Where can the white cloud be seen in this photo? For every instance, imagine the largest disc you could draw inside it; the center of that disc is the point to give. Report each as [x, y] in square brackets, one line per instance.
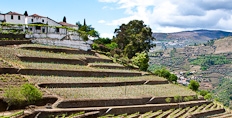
[101, 21]
[176, 15]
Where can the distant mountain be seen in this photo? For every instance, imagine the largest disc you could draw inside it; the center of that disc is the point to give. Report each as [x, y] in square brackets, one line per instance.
[192, 35]
[185, 38]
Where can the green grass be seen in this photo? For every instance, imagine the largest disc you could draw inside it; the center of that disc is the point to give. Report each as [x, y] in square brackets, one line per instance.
[60, 79]
[165, 90]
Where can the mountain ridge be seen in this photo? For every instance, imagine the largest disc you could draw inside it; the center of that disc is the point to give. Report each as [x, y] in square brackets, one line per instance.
[186, 38]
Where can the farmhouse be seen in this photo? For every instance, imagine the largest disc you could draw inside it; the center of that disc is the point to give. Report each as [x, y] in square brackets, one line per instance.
[38, 26]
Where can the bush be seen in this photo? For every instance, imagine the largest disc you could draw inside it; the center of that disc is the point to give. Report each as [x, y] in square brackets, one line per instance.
[203, 92]
[173, 77]
[186, 99]
[141, 60]
[208, 96]
[30, 92]
[193, 85]
[12, 96]
[17, 95]
[166, 74]
[177, 98]
[168, 100]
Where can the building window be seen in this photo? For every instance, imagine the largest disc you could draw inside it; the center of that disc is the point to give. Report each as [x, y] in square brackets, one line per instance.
[43, 30]
[19, 17]
[37, 27]
[31, 20]
[57, 30]
[12, 17]
[42, 20]
[30, 29]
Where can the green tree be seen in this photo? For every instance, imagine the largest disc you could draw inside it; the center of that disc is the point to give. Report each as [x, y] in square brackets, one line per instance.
[134, 37]
[25, 13]
[141, 60]
[64, 19]
[173, 77]
[87, 31]
[30, 92]
[193, 85]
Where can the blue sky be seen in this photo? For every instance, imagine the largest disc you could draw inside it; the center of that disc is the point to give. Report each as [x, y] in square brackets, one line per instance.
[106, 15]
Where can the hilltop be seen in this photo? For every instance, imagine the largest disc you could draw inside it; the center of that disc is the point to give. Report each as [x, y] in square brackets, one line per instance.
[185, 38]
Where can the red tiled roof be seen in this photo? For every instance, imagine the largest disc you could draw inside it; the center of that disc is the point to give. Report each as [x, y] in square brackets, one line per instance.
[36, 15]
[13, 13]
[67, 24]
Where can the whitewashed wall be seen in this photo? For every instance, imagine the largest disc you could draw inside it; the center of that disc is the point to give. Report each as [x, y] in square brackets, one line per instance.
[44, 35]
[15, 19]
[67, 43]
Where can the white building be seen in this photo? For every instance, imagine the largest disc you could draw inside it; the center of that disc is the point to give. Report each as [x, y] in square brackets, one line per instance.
[39, 26]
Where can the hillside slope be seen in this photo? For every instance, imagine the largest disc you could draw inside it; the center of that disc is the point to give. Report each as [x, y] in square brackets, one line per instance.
[91, 85]
[207, 64]
[185, 38]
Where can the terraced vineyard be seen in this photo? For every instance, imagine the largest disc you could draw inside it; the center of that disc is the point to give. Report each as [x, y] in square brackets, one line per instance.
[90, 85]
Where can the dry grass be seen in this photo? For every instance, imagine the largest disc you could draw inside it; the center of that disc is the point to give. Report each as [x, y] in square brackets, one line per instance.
[58, 79]
[105, 64]
[165, 90]
[223, 45]
[56, 66]
[46, 46]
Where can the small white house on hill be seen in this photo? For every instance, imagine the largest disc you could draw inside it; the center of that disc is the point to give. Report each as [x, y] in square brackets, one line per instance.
[45, 30]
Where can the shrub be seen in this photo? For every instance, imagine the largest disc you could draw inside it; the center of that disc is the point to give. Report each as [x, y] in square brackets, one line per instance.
[12, 96]
[30, 92]
[203, 92]
[173, 77]
[178, 98]
[193, 85]
[208, 96]
[17, 95]
[141, 60]
[168, 100]
[190, 98]
[186, 99]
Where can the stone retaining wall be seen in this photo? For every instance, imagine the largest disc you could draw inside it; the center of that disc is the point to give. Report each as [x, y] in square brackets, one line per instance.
[14, 42]
[98, 84]
[52, 60]
[8, 70]
[76, 73]
[12, 36]
[112, 102]
[67, 51]
[42, 102]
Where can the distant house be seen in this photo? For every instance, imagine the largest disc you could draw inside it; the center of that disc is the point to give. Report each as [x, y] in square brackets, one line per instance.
[39, 26]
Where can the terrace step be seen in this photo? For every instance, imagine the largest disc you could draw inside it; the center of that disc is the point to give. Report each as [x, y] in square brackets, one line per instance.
[165, 114]
[123, 109]
[206, 113]
[59, 50]
[99, 84]
[76, 73]
[118, 102]
[52, 60]
[107, 66]
[15, 42]
[225, 114]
